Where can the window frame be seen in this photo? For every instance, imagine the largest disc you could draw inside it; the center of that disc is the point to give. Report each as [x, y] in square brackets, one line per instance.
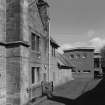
[37, 77]
[53, 51]
[32, 75]
[38, 74]
[35, 42]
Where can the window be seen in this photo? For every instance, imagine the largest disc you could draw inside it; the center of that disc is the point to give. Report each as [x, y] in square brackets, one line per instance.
[84, 55]
[45, 46]
[79, 71]
[72, 56]
[35, 74]
[35, 41]
[96, 63]
[53, 51]
[86, 71]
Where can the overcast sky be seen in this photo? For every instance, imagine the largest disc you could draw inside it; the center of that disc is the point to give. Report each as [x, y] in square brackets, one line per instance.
[78, 22]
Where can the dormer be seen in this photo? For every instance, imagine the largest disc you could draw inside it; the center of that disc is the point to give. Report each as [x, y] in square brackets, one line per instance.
[43, 12]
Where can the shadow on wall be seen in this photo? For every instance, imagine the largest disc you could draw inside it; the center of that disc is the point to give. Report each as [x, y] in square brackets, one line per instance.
[95, 96]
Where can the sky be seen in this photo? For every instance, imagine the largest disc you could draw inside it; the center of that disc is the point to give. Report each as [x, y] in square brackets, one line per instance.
[76, 23]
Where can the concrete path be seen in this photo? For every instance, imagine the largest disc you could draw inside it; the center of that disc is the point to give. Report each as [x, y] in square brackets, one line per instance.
[71, 93]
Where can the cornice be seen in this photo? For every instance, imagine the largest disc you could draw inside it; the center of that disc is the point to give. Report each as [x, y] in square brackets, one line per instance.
[15, 43]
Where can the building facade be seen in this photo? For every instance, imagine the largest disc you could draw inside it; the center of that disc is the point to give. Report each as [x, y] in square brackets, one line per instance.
[82, 61]
[53, 74]
[23, 32]
[60, 70]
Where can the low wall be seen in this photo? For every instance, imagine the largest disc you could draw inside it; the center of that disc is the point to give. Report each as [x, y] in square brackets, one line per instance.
[83, 75]
[65, 75]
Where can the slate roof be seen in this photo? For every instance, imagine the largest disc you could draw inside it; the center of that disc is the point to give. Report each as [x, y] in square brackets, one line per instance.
[53, 42]
[80, 49]
[62, 59]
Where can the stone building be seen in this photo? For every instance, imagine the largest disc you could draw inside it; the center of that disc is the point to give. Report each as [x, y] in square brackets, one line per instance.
[23, 32]
[82, 60]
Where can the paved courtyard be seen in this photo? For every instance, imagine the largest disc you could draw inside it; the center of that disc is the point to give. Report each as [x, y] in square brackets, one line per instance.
[71, 93]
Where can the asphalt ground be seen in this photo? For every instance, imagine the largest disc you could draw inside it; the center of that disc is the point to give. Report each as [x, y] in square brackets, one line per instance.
[79, 92]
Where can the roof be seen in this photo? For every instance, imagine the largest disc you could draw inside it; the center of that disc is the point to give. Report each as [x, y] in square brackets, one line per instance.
[80, 49]
[62, 59]
[54, 43]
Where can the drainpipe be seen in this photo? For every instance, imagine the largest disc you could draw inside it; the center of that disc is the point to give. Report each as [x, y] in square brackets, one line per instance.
[49, 55]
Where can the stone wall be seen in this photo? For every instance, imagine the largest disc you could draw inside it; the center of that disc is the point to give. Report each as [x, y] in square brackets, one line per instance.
[13, 75]
[2, 52]
[24, 75]
[12, 20]
[82, 63]
[2, 75]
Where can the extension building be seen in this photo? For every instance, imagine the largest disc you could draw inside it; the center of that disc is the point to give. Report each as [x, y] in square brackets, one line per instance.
[82, 60]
